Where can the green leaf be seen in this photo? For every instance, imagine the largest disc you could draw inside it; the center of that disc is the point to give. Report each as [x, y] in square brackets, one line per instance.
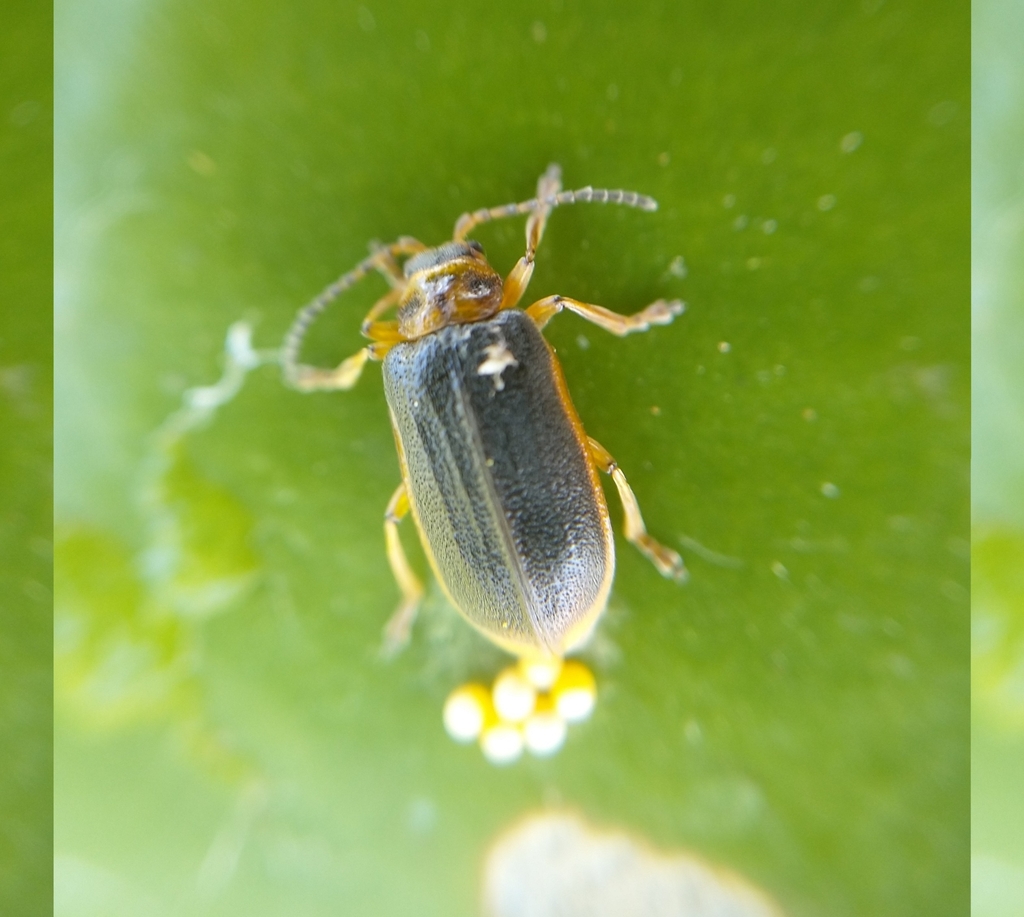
[26, 458]
[797, 713]
[997, 469]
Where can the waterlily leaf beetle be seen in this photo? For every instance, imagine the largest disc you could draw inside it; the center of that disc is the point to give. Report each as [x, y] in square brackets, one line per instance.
[498, 473]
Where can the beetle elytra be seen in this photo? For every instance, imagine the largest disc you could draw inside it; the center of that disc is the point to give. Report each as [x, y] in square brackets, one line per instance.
[497, 470]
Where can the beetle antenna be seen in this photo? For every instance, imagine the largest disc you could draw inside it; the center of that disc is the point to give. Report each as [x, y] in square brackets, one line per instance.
[469, 221]
[381, 259]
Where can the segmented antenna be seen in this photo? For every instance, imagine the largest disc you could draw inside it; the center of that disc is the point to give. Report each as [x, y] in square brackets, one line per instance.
[377, 261]
[469, 221]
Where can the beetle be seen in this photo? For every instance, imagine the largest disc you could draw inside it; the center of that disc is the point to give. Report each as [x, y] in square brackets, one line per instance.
[497, 470]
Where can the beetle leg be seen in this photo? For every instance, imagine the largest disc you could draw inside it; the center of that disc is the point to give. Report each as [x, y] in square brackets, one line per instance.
[668, 562]
[386, 265]
[659, 312]
[548, 186]
[343, 377]
[516, 283]
[381, 306]
[396, 632]
[381, 259]
[346, 374]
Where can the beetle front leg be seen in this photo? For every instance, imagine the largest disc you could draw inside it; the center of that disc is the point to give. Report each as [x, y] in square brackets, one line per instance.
[396, 632]
[387, 266]
[340, 379]
[387, 301]
[346, 374]
[659, 312]
[548, 186]
[668, 562]
[309, 378]
[516, 283]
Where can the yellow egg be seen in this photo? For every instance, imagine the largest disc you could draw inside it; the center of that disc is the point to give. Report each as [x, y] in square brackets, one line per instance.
[502, 743]
[545, 729]
[466, 711]
[575, 692]
[541, 672]
[513, 696]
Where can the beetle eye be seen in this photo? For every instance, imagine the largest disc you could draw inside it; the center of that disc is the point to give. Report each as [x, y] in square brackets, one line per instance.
[476, 246]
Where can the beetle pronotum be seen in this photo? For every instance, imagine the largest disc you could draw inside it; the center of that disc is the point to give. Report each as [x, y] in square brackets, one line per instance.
[497, 469]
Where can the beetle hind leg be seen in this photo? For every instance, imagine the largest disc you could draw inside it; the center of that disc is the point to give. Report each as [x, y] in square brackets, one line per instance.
[399, 626]
[668, 562]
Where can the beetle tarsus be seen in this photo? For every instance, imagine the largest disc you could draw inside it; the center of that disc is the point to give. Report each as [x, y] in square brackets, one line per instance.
[399, 629]
[341, 378]
[660, 312]
[668, 562]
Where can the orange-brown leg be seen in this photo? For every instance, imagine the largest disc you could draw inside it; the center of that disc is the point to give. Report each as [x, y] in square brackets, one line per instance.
[516, 283]
[659, 312]
[386, 264]
[346, 374]
[668, 562]
[396, 632]
[308, 378]
[388, 301]
[548, 186]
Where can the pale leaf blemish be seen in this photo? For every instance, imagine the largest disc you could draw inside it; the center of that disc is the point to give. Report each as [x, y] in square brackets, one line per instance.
[851, 141]
[555, 863]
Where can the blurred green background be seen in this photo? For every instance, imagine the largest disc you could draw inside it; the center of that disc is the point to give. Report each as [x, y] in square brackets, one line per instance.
[26, 455]
[227, 739]
[997, 473]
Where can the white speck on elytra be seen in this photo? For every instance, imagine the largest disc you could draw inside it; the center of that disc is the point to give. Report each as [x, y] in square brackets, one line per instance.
[499, 358]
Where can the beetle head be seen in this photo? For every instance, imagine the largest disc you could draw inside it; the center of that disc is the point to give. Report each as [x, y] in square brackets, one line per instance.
[449, 285]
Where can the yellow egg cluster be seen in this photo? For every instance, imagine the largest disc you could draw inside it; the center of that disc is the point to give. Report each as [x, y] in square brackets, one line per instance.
[529, 707]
